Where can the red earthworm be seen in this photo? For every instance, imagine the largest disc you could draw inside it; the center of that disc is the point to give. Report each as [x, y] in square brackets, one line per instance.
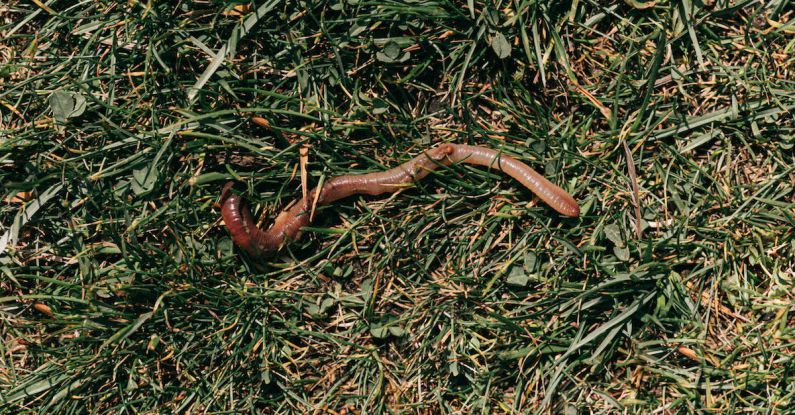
[288, 224]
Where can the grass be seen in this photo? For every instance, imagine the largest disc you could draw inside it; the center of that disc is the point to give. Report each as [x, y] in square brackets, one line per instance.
[670, 122]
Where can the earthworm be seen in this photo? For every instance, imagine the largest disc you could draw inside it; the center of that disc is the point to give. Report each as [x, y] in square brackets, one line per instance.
[288, 223]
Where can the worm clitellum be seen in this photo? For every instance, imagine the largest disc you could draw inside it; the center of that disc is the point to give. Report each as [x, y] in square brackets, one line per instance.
[288, 224]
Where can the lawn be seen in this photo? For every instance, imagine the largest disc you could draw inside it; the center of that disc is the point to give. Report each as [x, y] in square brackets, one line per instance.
[671, 123]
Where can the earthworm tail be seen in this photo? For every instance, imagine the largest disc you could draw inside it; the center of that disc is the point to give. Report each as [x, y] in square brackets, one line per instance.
[288, 224]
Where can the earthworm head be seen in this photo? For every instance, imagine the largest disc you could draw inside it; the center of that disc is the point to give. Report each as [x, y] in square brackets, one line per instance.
[226, 191]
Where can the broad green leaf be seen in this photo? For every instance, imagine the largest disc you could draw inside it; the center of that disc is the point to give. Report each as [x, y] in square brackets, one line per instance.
[622, 252]
[62, 104]
[65, 105]
[380, 106]
[379, 331]
[143, 181]
[326, 304]
[613, 233]
[357, 28]
[517, 277]
[454, 369]
[397, 331]
[366, 288]
[501, 46]
[641, 5]
[390, 52]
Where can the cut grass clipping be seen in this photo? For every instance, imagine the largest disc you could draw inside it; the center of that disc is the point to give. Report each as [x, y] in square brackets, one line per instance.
[670, 122]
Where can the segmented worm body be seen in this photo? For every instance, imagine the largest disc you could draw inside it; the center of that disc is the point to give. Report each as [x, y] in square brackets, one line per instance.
[288, 224]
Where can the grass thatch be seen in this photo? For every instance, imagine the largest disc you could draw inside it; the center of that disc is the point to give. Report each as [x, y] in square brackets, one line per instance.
[671, 123]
